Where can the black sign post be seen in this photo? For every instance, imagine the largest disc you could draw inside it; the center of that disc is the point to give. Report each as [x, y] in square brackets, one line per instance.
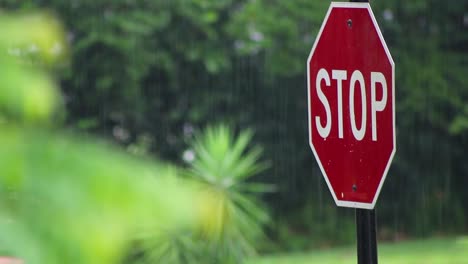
[366, 236]
[366, 228]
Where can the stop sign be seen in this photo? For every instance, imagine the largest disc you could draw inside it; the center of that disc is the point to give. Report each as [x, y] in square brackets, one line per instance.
[351, 94]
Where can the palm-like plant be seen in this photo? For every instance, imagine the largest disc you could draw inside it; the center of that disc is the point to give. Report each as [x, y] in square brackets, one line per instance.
[233, 216]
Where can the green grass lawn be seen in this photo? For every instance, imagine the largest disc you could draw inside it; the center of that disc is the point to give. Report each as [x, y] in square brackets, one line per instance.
[431, 251]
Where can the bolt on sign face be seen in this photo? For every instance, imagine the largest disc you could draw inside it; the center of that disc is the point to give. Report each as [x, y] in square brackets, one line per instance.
[351, 94]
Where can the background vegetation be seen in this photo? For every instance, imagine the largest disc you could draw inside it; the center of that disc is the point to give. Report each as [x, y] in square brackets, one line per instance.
[434, 251]
[148, 74]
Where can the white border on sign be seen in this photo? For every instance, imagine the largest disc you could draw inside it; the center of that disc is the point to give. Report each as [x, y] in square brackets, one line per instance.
[389, 57]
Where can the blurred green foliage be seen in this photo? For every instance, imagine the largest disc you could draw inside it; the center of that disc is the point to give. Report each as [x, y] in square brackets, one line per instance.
[29, 94]
[65, 198]
[149, 73]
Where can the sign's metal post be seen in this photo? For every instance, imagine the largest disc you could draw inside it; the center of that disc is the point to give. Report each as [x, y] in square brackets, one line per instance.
[366, 228]
[366, 236]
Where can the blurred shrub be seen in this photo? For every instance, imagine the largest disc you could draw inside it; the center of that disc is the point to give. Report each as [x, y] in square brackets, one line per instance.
[65, 198]
[69, 200]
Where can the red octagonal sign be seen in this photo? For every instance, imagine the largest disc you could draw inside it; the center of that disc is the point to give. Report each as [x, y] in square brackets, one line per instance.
[351, 93]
